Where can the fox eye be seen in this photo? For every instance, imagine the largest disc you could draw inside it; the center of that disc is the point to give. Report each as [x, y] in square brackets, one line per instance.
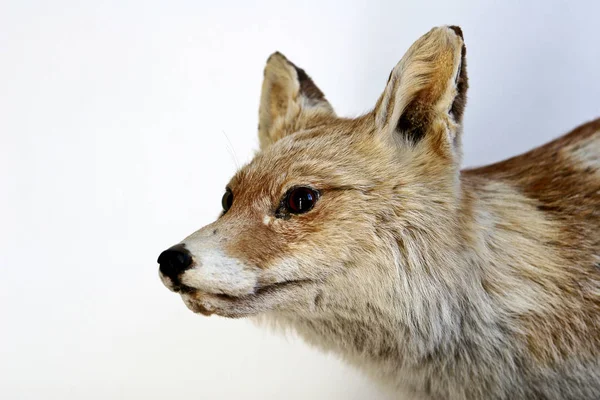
[301, 199]
[227, 200]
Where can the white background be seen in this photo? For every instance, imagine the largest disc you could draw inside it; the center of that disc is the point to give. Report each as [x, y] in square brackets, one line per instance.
[113, 124]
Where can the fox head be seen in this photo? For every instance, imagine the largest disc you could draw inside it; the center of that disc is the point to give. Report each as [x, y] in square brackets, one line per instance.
[330, 208]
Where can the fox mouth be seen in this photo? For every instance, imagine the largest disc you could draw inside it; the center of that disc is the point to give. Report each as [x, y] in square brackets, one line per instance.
[264, 298]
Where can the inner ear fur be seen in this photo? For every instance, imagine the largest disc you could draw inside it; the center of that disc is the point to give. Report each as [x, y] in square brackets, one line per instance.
[425, 96]
[290, 101]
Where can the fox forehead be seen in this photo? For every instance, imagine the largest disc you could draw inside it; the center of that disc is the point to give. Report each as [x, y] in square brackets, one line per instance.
[330, 156]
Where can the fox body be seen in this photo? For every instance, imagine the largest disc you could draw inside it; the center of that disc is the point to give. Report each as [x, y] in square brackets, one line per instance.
[365, 237]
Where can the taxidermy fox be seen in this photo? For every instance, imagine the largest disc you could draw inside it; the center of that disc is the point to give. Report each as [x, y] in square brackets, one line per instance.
[365, 237]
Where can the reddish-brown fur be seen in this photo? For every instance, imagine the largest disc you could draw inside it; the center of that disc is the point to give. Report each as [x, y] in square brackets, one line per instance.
[568, 194]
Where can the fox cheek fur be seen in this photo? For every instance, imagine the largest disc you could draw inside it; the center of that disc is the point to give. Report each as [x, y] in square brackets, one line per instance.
[437, 282]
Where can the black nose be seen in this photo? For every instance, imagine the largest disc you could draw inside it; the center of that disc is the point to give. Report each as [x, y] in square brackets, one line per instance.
[174, 261]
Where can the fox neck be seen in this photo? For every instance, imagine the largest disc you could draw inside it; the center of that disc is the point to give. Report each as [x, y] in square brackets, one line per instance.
[446, 295]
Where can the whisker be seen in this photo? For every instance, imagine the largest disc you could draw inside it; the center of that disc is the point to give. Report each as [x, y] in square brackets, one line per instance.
[231, 150]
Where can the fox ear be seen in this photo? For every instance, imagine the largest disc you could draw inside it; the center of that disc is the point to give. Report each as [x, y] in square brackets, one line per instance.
[425, 96]
[289, 101]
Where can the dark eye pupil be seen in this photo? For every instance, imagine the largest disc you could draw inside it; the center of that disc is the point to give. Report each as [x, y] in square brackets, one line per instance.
[301, 200]
[227, 200]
